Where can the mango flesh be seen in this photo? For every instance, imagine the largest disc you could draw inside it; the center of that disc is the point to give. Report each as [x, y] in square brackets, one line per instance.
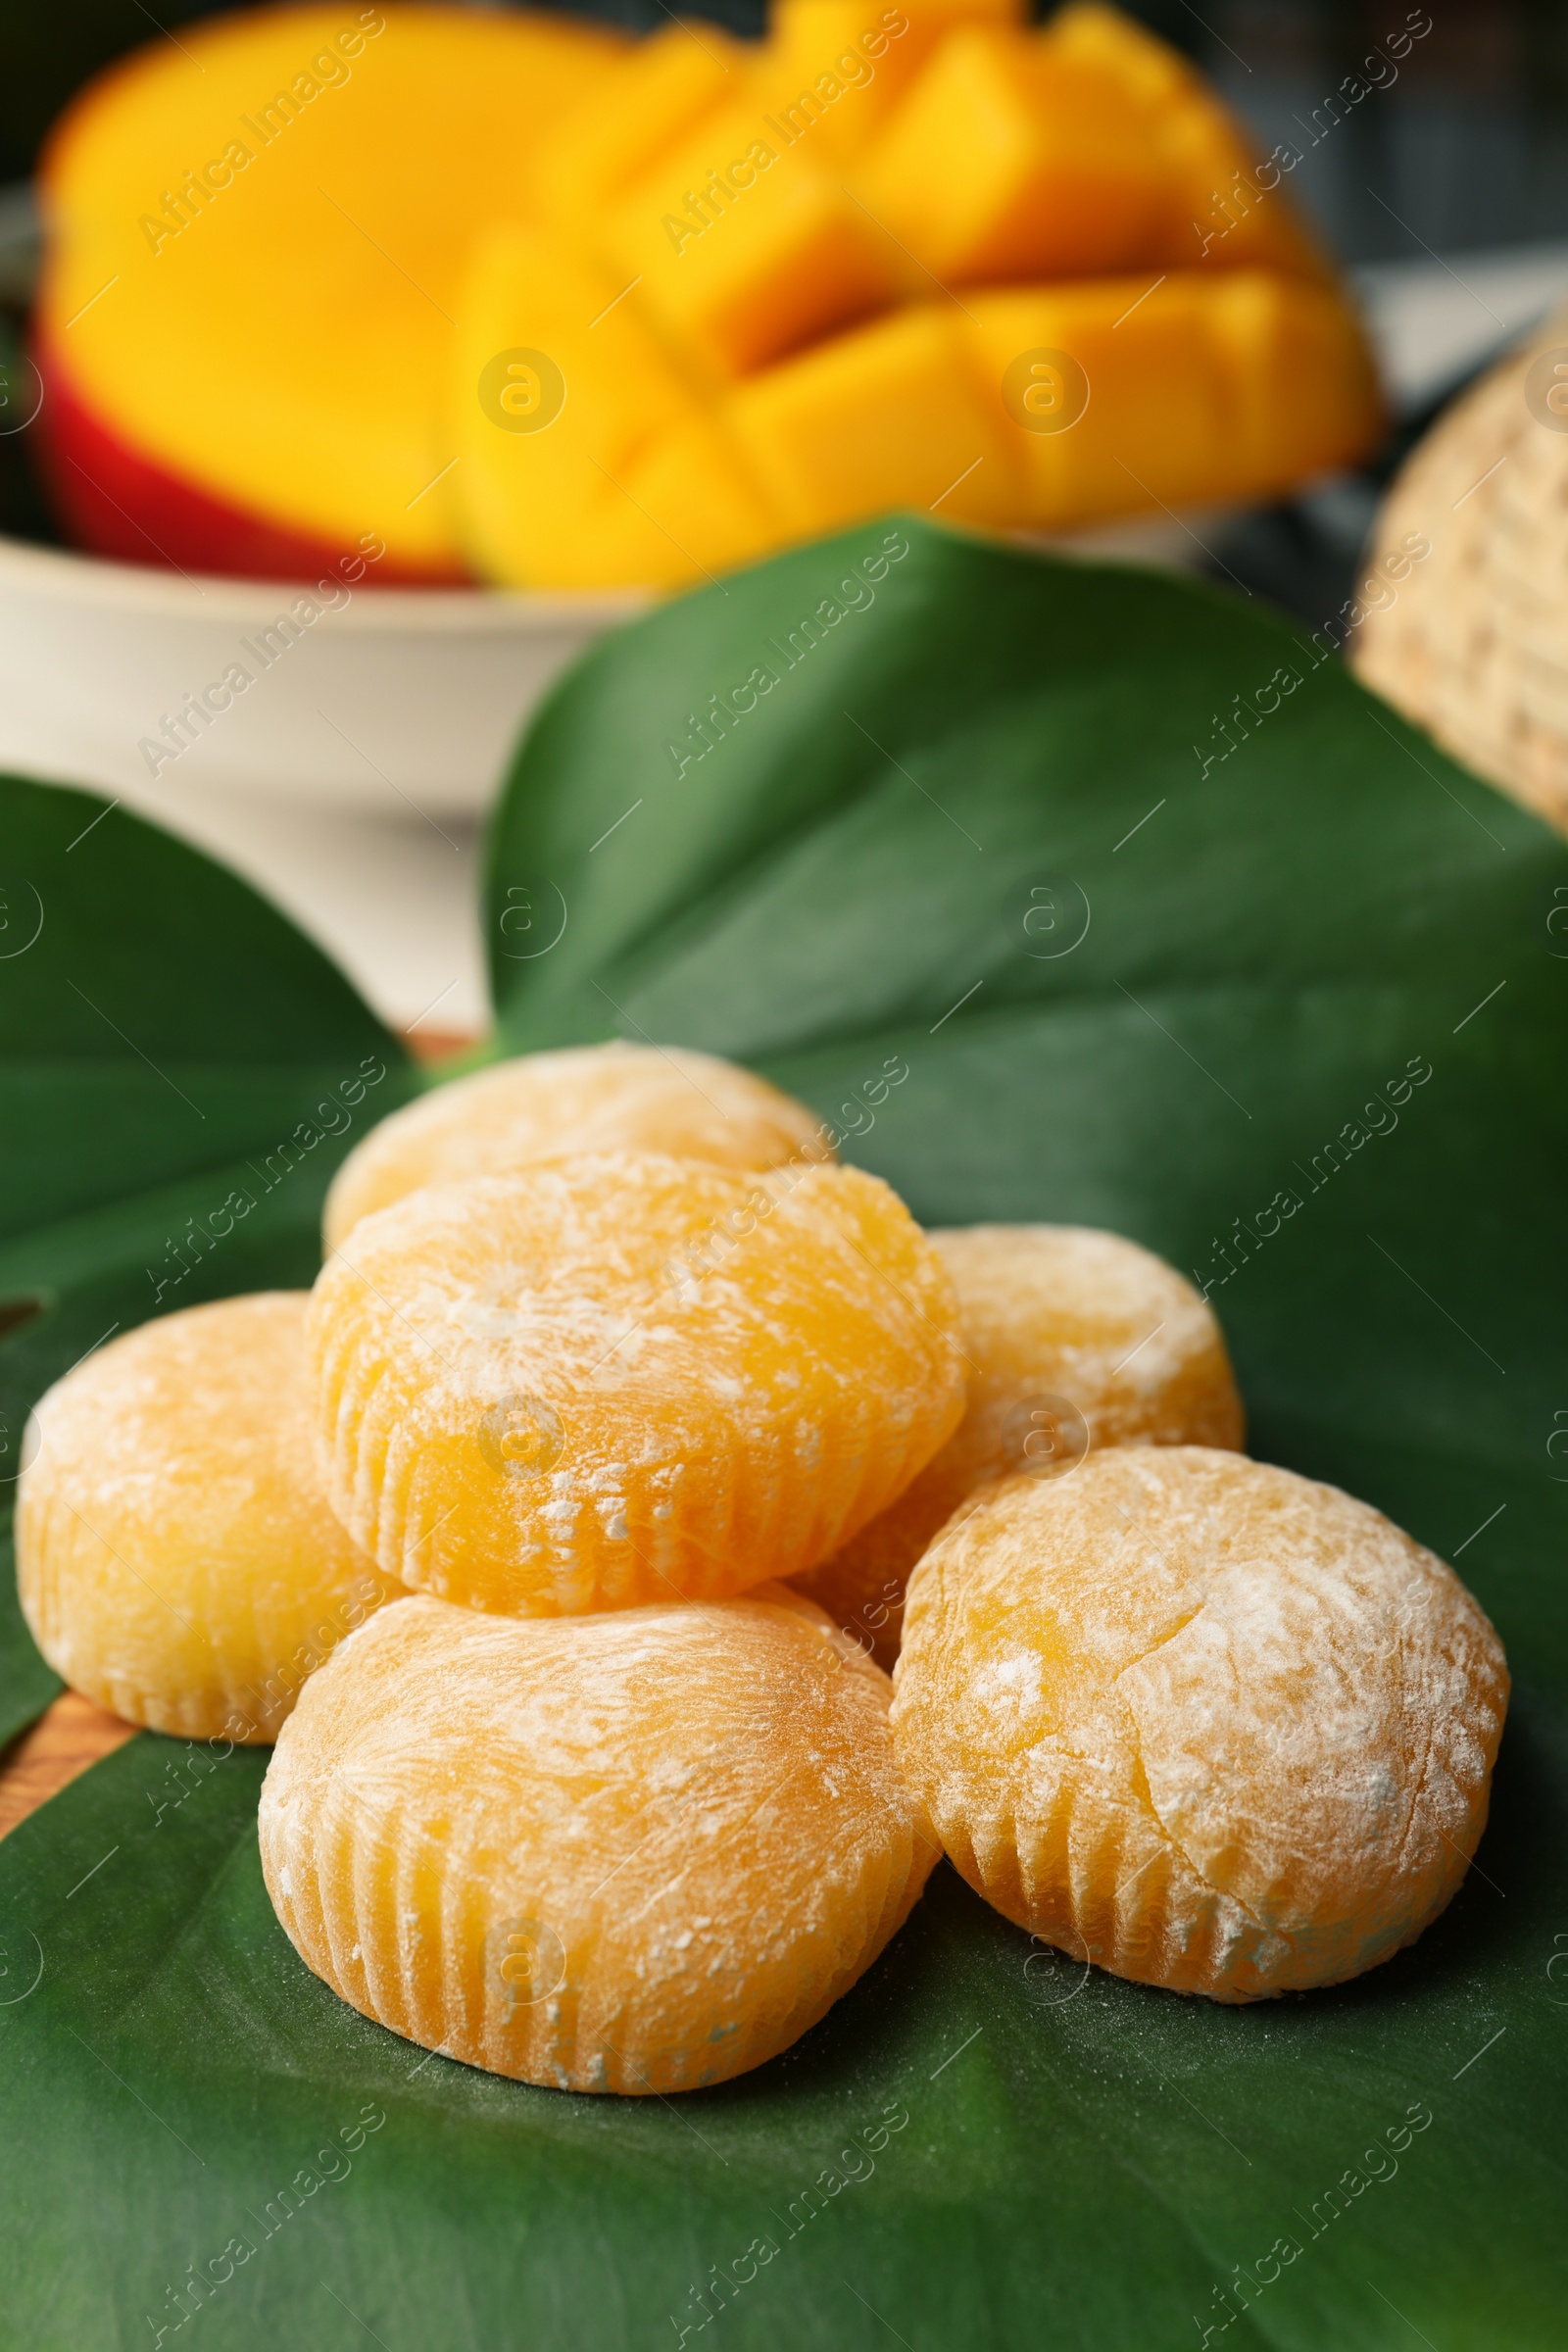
[251, 287]
[1203, 386]
[636, 1853]
[1197, 1721]
[177, 1556]
[1072, 1339]
[743, 247]
[1219, 208]
[958, 270]
[616, 1097]
[891, 414]
[1009, 160]
[621, 1378]
[840, 66]
[649, 312]
[642, 105]
[588, 501]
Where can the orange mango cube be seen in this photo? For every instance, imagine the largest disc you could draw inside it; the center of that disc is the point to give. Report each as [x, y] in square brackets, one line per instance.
[744, 247]
[839, 67]
[890, 415]
[1120, 394]
[567, 503]
[1011, 159]
[1135, 417]
[1221, 205]
[1301, 392]
[627, 120]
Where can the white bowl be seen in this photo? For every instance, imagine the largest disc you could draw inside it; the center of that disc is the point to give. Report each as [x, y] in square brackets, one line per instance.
[396, 694]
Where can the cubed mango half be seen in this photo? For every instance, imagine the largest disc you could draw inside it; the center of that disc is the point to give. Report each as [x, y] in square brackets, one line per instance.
[1009, 158]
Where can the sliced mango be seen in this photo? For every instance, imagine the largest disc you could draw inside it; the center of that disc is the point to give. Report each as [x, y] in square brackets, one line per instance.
[1302, 394]
[627, 482]
[1224, 205]
[745, 247]
[1048, 407]
[251, 286]
[1199, 390]
[629, 117]
[837, 67]
[694, 484]
[1228, 209]
[890, 415]
[1154, 76]
[1014, 159]
[1141, 424]
[749, 346]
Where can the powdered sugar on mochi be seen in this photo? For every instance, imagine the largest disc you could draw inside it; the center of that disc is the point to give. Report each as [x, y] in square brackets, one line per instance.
[178, 1558]
[593, 1099]
[1112, 1322]
[1230, 1725]
[688, 1818]
[727, 1370]
[1051, 1316]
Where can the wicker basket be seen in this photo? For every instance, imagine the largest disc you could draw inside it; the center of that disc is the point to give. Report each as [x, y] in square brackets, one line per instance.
[1474, 644]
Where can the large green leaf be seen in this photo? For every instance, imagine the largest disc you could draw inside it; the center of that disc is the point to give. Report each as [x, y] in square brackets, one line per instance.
[171, 1048]
[839, 886]
[1079, 2162]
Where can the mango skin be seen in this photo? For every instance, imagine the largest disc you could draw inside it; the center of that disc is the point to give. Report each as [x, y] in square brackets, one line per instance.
[234, 335]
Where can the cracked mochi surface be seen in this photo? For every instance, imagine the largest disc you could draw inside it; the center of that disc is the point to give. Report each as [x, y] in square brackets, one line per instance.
[1203, 1722]
[635, 1852]
[1050, 1317]
[614, 1098]
[622, 1379]
[177, 1556]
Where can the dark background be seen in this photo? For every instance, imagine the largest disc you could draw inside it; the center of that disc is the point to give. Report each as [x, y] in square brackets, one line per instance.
[1469, 148]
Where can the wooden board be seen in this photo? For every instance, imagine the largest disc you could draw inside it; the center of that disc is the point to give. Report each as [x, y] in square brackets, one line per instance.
[67, 1736]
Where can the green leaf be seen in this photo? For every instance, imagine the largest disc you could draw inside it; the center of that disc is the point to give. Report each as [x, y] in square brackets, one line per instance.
[170, 1047]
[26, 1684]
[1078, 2161]
[846, 876]
[842, 883]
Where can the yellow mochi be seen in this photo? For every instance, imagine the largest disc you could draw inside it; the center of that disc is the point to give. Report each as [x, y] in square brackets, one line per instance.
[176, 1557]
[1071, 1338]
[624, 1377]
[639, 1853]
[611, 1098]
[1202, 1722]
